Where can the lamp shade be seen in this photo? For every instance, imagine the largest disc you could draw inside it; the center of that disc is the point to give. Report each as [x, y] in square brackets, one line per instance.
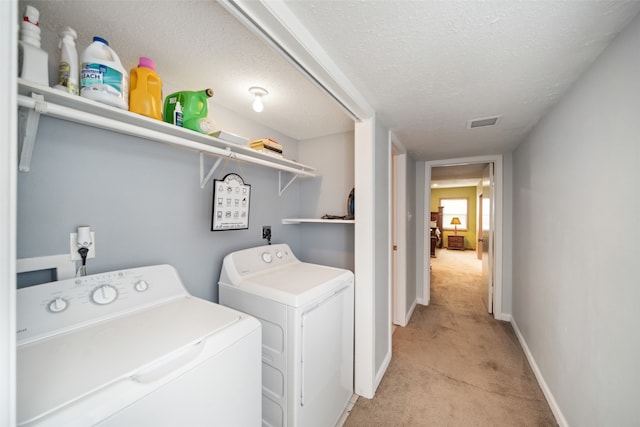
[455, 221]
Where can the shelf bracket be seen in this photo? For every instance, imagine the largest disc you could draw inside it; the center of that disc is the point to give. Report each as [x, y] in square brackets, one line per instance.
[31, 131]
[205, 179]
[281, 189]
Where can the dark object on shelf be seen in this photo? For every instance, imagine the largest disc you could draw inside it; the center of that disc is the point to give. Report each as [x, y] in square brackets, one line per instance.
[327, 216]
[351, 200]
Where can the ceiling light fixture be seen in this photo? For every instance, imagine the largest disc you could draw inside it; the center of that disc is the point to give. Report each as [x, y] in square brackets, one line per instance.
[258, 92]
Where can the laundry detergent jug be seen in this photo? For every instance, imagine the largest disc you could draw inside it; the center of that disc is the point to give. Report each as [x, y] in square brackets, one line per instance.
[194, 109]
[145, 91]
[102, 76]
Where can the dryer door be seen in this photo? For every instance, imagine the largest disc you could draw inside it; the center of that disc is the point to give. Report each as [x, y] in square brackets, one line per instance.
[326, 366]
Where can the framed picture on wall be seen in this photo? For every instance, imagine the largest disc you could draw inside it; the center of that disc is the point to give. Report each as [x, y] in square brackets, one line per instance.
[230, 203]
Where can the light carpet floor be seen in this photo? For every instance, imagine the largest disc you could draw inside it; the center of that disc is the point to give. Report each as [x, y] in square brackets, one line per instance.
[454, 364]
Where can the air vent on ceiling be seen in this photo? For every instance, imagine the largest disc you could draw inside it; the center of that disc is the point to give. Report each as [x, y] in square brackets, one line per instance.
[486, 121]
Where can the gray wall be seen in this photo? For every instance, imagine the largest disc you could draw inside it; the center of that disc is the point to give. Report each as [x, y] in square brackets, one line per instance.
[143, 200]
[420, 229]
[382, 245]
[411, 235]
[507, 233]
[575, 246]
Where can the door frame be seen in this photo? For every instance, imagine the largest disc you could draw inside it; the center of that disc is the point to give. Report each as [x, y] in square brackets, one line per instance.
[8, 208]
[488, 264]
[400, 315]
[479, 240]
[497, 160]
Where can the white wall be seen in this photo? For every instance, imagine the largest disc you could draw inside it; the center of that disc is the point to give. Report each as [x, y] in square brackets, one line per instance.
[575, 246]
[328, 244]
[332, 156]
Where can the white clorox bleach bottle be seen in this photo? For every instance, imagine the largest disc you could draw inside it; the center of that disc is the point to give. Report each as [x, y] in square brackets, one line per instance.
[102, 76]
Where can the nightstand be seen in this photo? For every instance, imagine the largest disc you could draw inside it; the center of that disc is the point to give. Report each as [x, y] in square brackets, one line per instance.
[455, 242]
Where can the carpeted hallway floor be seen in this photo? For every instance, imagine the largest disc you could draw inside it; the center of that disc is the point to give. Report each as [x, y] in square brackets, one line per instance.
[454, 364]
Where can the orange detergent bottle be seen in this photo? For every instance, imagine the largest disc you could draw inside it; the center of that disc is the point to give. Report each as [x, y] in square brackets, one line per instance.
[145, 92]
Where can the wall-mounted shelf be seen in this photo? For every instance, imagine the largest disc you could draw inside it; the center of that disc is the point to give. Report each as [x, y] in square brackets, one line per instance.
[38, 99]
[317, 220]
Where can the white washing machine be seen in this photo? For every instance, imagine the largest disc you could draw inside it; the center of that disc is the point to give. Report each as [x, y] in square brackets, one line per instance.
[306, 312]
[133, 348]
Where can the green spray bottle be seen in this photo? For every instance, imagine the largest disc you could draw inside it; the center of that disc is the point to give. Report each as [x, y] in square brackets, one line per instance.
[194, 109]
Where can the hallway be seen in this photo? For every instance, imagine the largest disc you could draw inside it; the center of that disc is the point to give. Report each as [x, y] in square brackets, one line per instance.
[454, 364]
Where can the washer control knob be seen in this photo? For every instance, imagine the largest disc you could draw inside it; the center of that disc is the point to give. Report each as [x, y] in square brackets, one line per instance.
[141, 286]
[266, 257]
[105, 294]
[279, 254]
[57, 305]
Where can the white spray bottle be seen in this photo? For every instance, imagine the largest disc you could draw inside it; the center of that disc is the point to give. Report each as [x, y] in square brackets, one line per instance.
[68, 70]
[177, 115]
[33, 62]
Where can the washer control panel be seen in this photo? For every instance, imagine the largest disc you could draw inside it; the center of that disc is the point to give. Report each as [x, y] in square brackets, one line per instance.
[254, 260]
[52, 307]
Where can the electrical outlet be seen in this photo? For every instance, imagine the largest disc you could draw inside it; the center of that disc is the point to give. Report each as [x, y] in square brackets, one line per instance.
[266, 232]
[73, 247]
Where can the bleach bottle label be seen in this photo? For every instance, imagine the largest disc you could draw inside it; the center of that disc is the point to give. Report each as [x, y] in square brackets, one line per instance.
[100, 74]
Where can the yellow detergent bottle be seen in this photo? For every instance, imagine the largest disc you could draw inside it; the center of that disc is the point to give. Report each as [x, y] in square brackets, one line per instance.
[194, 109]
[145, 90]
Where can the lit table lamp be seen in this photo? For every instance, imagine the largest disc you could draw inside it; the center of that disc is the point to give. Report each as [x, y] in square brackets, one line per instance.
[455, 221]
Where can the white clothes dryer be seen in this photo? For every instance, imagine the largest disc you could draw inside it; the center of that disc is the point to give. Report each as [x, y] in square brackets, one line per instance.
[133, 348]
[306, 311]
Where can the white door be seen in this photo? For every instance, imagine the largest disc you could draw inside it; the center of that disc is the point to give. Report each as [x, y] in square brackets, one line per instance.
[399, 304]
[394, 241]
[488, 227]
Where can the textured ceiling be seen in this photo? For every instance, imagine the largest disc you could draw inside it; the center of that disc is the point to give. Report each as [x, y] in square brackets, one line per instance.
[427, 67]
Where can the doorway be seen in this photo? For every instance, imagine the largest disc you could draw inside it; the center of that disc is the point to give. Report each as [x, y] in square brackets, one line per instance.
[494, 293]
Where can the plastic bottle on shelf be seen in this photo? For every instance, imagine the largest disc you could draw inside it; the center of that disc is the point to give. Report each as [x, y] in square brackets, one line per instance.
[68, 68]
[145, 93]
[194, 109]
[33, 61]
[177, 114]
[102, 77]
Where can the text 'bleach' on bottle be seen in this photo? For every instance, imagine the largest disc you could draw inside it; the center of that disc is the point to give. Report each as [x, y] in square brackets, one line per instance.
[145, 90]
[33, 62]
[102, 77]
[68, 68]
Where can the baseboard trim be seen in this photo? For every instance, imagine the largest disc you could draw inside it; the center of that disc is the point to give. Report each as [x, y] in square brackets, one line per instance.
[410, 313]
[381, 372]
[560, 419]
[421, 301]
[506, 317]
